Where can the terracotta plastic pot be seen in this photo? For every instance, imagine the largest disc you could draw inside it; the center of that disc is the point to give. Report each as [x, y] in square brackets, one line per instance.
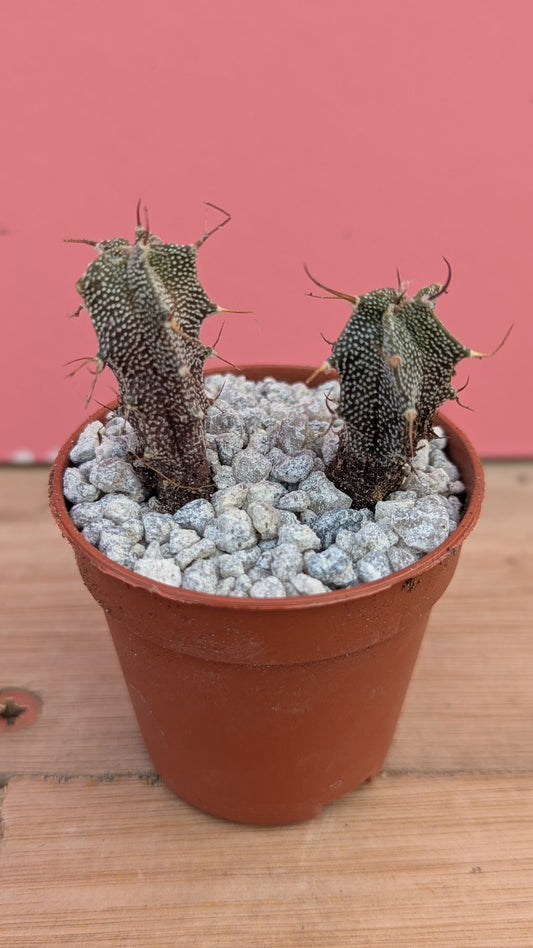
[262, 711]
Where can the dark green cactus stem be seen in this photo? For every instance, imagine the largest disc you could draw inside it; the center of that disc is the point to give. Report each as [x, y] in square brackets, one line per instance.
[395, 362]
[147, 306]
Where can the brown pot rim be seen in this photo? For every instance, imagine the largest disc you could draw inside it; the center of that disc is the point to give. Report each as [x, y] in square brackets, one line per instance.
[473, 479]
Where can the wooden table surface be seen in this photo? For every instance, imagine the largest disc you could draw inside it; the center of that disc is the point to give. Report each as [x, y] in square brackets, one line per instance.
[437, 851]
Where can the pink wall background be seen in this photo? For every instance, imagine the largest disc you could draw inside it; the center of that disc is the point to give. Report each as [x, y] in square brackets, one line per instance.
[358, 137]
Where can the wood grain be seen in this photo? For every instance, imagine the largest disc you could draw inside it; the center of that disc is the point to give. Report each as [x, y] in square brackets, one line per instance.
[426, 861]
[438, 852]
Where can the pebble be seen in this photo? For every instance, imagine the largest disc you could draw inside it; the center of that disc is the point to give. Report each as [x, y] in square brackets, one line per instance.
[226, 587]
[224, 477]
[401, 556]
[346, 540]
[239, 563]
[156, 525]
[127, 533]
[306, 585]
[421, 530]
[115, 475]
[373, 537]
[84, 450]
[292, 432]
[402, 496]
[308, 517]
[231, 531]
[440, 460]
[154, 551]
[428, 482]
[119, 507]
[180, 538]
[221, 421]
[114, 447]
[421, 458]
[266, 492]
[327, 524]
[195, 515]
[374, 565]
[268, 588]
[132, 528]
[91, 531]
[85, 447]
[455, 508]
[77, 488]
[330, 444]
[386, 510]
[294, 500]
[332, 567]
[196, 551]
[243, 584]
[163, 571]
[266, 520]
[287, 517]
[439, 439]
[228, 445]
[262, 440]
[250, 466]
[201, 576]
[286, 561]
[82, 513]
[118, 550]
[267, 544]
[323, 495]
[293, 468]
[86, 467]
[300, 535]
[228, 497]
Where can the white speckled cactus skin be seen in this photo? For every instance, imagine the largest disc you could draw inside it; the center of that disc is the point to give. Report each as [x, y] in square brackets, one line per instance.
[395, 362]
[147, 306]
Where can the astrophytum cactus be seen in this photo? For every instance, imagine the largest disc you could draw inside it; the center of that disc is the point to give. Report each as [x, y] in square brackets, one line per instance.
[395, 361]
[147, 306]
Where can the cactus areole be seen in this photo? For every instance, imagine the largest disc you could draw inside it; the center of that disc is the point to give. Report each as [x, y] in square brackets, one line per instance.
[394, 358]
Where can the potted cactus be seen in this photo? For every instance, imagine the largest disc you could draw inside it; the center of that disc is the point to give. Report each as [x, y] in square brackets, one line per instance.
[267, 628]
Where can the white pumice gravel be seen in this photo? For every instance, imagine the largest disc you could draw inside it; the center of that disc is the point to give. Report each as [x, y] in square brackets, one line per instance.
[274, 526]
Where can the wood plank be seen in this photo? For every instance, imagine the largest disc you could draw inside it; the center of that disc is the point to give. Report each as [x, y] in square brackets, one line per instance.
[402, 862]
[55, 641]
[470, 703]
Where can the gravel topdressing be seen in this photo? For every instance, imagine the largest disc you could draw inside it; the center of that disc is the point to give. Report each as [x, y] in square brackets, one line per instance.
[275, 525]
